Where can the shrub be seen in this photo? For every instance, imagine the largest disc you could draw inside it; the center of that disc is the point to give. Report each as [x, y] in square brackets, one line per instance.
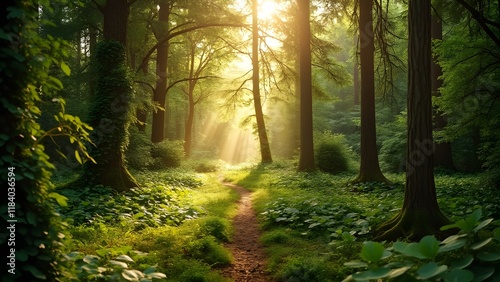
[206, 165]
[217, 227]
[138, 154]
[393, 153]
[209, 251]
[332, 154]
[167, 154]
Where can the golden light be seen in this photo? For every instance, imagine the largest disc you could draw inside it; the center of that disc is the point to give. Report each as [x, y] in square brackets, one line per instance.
[267, 9]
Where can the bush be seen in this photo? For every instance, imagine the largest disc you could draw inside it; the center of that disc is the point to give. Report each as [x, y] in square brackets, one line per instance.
[332, 154]
[208, 251]
[167, 154]
[206, 165]
[393, 153]
[138, 154]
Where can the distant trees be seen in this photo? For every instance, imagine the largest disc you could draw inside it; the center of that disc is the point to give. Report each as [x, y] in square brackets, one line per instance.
[265, 148]
[369, 165]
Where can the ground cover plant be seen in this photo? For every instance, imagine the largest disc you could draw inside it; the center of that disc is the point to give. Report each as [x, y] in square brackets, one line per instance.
[152, 233]
[315, 223]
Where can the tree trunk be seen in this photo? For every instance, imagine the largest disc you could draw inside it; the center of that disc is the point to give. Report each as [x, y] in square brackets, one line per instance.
[160, 92]
[420, 214]
[265, 149]
[306, 157]
[369, 167]
[109, 114]
[442, 151]
[356, 74]
[188, 131]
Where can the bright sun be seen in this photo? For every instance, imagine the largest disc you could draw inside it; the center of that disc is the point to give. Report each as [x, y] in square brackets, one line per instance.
[267, 9]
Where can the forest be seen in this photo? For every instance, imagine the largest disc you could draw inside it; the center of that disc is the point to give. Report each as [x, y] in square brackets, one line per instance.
[250, 140]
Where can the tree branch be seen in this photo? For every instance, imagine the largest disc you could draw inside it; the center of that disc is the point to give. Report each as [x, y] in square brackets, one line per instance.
[482, 21]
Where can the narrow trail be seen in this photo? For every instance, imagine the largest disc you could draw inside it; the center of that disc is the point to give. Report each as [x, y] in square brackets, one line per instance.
[248, 252]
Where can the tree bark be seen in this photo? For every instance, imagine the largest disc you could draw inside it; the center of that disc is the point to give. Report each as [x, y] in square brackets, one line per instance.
[420, 214]
[442, 151]
[109, 114]
[265, 149]
[369, 165]
[306, 157]
[160, 92]
[356, 74]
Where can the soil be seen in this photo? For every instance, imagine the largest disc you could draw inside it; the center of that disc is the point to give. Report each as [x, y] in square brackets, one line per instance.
[249, 256]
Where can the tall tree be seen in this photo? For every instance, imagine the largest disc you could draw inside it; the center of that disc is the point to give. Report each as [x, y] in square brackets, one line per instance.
[160, 90]
[265, 149]
[369, 166]
[110, 111]
[306, 157]
[420, 214]
[442, 150]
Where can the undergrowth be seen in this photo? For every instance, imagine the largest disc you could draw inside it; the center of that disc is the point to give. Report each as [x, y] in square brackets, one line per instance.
[315, 222]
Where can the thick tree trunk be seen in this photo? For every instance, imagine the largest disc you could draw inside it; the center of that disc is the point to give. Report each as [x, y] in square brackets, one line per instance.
[420, 214]
[369, 167]
[265, 149]
[442, 151]
[109, 115]
[306, 157]
[160, 92]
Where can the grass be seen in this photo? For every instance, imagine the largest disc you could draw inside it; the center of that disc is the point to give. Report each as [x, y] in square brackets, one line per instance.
[304, 215]
[189, 251]
[312, 222]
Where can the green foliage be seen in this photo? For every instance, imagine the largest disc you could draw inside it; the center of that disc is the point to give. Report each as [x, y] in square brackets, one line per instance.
[332, 154]
[305, 269]
[315, 216]
[138, 153]
[393, 150]
[167, 154]
[109, 115]
[106, 268]
[27, 58]
[205, 165]
[467, 256]
[148, 206]
[216, 227]
[207, 249]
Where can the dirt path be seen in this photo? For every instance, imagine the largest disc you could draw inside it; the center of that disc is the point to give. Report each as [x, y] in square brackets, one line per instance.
[248, 252]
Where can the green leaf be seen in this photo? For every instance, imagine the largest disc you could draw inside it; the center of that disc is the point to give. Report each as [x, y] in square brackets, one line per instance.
[35, 272]
[77, 156]
[453, 245]
[463, 263]
[157, 275]
[372, 251]
[398, 271]
[481, 244]
[119, 264]
[90, 259]
[124, 258]
[458, 275]
[65, 68]
[132, 275]
[496, 233]
[482, 273]
[489, 256]
[31, 217]
[371, 274]
[149, 270]
[413, 250]
[430, 270]
[60, 199]
[356, 264]
[483, 224]
[429, 246]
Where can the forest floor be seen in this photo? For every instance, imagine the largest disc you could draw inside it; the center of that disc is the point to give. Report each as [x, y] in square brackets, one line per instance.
[248, 252]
